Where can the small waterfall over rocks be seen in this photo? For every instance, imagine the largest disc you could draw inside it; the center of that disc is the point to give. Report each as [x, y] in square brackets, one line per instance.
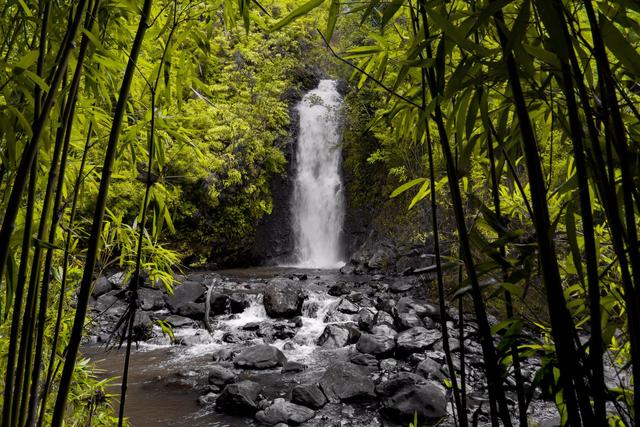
[318, 199]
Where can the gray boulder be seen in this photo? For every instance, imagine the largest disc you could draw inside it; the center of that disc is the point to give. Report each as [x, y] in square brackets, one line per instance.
[365, 319]
[408, 320]
[151, 299]
[101, 286]
[220, 376]
[406, 394]
[415, 340]
[347, 307]
[179, 321]
[409, 305]
[308, 395]
[282, 411]
[334, 336]
[193, 310]
[259, 357]
[430, 369]
[382, 317]
[188, 292]
[226, 304]
[343, 382]
[282, 300]
[239, 398]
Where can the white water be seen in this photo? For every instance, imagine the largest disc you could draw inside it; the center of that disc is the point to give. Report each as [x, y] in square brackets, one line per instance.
[318, 200]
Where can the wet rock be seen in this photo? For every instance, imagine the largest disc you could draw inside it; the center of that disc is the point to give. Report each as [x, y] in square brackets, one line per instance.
[383, 258]
[430, 369]
[101, 286]
[408, 320]
[382, 318]
[227, 304]
[220, 376]
[386, 304]
[346, 382]
[334, 336]
[308, 395]
[151, 299]
[409, 305]
[348, 269]
[193, 310]
[406, 394]
[282, 411]
[239, 398]
[188, 292]
[339, 289]
[110, 302]
[364, 360]
[432, 311]
[207, 399]
[377, 345]
[291, 366]
[223, 355]
[281, 300]
[259, 357]
[415, 340]
[142, 327]
[251, 326]
[276, 331]
[402, 285]
[300, 276]
[366, 319]
[347, 307]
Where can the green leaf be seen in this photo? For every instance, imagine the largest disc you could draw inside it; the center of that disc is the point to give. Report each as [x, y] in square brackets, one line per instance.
[296, 13]
[407, 185]
[619, 46]
[334, 11]
[390, 10]
[25, 62]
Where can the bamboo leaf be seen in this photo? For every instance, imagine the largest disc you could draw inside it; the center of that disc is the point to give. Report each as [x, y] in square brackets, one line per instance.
[334, 11]
[296, 13]
[619, 46]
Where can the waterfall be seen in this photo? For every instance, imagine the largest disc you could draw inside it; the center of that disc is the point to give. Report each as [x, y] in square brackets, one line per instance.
[318, 200]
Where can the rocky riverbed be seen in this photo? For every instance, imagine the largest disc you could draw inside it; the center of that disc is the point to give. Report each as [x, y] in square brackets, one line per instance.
[293, 347]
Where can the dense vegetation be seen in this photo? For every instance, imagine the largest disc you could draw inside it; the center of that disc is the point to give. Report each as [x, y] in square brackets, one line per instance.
[132, 132]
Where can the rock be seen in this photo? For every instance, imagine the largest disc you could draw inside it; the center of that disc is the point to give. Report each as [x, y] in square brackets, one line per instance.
[406, 394]
[347, 307]
[409, 305]
[151, 299]
[365, 319]
[377, 345]
[226, 304]
[223, 355]
[348, 269]
[101, 286]
[193, 310]
[207, 399]
[142, 327]
[188, 292]
[281, 300]
[364, 360]
[339, 289]
[334, 336]
[415, 340]
[402, 285]
[382, 317]
[383, 258]
[290, 366]
[179, 321]
[408, 320]
[430, 369]
[239, 398]
[346, 382]
[117, 279]
[386, 303]
[259, 357]
[308, 395]
[300, 276]
[282, 411]
[433, 311]
[220, 376]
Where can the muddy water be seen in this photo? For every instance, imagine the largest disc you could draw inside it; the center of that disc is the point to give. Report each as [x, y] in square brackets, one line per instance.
[166, 380]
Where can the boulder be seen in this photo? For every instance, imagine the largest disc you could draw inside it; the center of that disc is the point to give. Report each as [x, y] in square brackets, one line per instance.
[383, 258]
[334, 336]
[239, 398]
[415, 340]
[193, 310]
[282, 301]
[430, 369]
[382, 317]
[377, 345]
[367, 360]
[179, 321]
[188, 292]
[142, 327]
[151, 299]
[101, 286]
[220, 376]
[259, 357]
[343, 382]
[402, 285]
[409, 305]
[339, 289]
[308, 395]
[281, 411]
[366, 319]
[346, 306]
[408, 320]
[407, 394]
[291, 366]
[226, 304]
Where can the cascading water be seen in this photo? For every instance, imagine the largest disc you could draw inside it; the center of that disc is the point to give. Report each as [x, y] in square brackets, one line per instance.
[318, 200]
